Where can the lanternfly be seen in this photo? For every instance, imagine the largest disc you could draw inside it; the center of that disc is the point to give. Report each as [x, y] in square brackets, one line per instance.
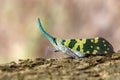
[77, 48]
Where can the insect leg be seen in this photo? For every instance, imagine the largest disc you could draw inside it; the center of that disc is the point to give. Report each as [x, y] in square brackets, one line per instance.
[60, 55]
[46, 51]
[49, 48]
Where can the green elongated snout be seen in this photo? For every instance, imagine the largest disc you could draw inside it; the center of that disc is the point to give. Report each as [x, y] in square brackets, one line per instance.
[48, 36]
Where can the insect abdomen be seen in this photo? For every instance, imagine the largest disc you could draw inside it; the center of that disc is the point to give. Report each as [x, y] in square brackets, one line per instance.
[89, 46]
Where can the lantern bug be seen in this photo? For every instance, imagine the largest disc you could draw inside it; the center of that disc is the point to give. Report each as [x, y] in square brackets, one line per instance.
[77, 48]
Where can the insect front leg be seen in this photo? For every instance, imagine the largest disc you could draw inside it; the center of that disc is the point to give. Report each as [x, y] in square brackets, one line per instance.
[46, 51]
[49, 48]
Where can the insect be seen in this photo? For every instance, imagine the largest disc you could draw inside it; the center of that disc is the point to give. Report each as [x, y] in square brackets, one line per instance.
[77, 48]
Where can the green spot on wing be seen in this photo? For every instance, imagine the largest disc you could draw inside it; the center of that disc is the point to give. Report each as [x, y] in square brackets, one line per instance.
[78, 48]
[62, 42]
[72, 43]
[103, 48]
[87, 46]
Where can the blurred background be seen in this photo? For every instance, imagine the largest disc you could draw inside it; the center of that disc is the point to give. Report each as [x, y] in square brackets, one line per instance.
[20, 37]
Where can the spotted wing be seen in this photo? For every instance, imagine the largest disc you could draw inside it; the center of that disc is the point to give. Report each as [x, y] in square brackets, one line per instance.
[89, 46]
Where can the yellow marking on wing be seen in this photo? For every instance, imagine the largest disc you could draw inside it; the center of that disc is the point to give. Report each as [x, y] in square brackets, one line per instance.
[105, 45]
[103, 41]
[94, 52]
[83, 41]
[98, 48]
[75, 47]
[79, 43]
[81, 50]
[105, 51]
[92, 40]
[67, 41]
[96, 40]
[91, 46]
[88, 52]
[58, 40]
[108, 48]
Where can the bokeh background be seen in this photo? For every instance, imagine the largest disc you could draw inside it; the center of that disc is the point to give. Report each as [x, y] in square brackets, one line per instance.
[20, 37]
